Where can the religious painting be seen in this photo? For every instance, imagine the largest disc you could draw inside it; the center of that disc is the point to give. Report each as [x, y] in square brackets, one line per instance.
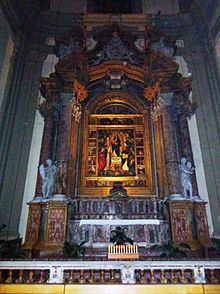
[116, 154]
[116, 148]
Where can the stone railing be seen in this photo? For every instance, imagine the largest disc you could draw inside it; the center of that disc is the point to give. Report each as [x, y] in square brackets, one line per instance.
[110, 272]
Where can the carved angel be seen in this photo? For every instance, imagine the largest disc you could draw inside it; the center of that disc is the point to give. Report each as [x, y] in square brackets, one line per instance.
[186, 170]
[48, 174]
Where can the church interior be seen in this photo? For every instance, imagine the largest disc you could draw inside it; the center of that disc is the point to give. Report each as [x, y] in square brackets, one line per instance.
[110, 135]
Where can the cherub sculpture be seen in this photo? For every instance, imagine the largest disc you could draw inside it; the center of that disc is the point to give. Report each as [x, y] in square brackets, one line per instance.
[48, 175]
[186, 170]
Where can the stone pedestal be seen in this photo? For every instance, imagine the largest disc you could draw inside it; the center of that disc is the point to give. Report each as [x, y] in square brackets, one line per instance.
[33, 225]
[189, 223]
[183, 229]
[202, 228]
[46, 228]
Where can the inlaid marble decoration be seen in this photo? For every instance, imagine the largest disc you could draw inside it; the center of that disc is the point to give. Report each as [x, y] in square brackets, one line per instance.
[56, 224]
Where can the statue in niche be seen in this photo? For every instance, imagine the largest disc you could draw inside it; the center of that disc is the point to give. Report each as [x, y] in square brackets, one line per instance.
[48, 175]
[186, 170]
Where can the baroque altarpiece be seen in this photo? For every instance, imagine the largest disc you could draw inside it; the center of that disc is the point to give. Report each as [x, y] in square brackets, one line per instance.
[115, 113]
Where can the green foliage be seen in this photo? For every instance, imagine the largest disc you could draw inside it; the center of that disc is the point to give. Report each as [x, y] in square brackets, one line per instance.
[119, 237]
[171, 250]
[11, 249]
[74, 250]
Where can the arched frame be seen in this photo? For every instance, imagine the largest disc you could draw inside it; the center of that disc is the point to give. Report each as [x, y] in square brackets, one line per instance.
[116, 146]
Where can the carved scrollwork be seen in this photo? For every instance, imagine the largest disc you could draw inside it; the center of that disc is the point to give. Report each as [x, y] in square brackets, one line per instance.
[151, 92]
[80, 90]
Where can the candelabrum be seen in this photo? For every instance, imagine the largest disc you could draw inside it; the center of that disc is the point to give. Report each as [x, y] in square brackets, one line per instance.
[123, 252]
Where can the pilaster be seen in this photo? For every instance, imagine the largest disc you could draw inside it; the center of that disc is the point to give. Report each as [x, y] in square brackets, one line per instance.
[16, 130]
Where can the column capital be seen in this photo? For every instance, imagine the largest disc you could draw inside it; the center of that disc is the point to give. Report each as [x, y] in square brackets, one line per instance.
[66, 98]
[163, 100]
[166, 98]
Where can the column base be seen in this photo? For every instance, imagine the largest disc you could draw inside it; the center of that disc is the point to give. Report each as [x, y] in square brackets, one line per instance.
[58, 197]
[176, 197]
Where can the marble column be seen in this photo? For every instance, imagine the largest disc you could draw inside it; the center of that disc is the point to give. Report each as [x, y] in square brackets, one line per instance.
[46, 110]
[63, 142]
[170, 147]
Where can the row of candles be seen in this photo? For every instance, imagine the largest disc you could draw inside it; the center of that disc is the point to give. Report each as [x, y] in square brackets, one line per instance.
[125, 249]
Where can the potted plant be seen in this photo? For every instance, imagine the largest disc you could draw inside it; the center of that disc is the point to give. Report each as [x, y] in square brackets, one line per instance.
[118, 236]
[171, 250]
[74, 250]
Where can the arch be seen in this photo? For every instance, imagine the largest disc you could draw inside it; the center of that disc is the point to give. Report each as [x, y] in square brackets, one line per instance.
[134, 103]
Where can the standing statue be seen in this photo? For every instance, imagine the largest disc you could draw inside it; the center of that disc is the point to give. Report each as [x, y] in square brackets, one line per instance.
[48, 174]
[186, 169]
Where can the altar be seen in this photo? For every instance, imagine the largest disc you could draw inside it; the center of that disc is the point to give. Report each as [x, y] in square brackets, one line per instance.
[120, 222]
[116, 145]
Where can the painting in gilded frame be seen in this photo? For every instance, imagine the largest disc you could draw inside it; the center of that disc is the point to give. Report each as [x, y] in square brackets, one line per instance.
[116, 153]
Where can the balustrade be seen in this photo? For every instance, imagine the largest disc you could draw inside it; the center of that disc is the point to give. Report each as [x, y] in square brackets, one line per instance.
[110, 272]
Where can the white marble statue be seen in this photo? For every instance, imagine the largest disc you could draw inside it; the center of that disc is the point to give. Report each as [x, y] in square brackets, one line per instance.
[186, 170]
[48, 175]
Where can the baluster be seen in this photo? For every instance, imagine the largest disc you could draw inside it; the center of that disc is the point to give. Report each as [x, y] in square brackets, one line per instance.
[71, 278]
[9, 279]
[82, 279]
[20, 277]
[213, 278]
[152, 279]
[192, 277]
[102, 277]
[30, 279]
[41, 280]
[118, 277]
[182, 277]
[176, 277]
[142, 278]
[112, 276]
[172, 277]
[163, 279]
[91, 280]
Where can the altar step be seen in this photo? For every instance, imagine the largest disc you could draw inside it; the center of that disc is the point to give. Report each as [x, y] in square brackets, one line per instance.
[108, 289]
